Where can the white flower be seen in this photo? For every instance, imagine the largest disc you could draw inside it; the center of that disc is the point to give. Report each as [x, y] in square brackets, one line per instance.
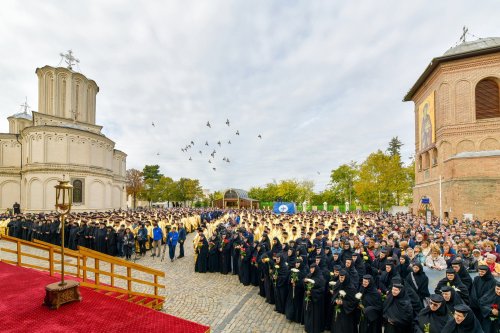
[456, 289]
[342, 293]
[332, 283]
[276, 266]
[295, 270]
[358, 296]
[311, 281]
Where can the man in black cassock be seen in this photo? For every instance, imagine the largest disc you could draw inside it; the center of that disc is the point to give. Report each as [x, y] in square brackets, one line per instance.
[17, 208]
[314, 301]
[433, 317]
[110, 241]
[100, 238]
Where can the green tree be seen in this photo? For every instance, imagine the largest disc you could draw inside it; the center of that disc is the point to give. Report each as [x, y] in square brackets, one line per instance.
[343, 179]
[151, 172]
[395, 147]
[188, 190]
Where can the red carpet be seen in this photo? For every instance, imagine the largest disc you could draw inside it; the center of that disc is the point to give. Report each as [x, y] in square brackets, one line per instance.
[21, 298]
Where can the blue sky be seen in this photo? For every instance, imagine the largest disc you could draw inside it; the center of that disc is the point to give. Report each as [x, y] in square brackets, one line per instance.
[321, 81]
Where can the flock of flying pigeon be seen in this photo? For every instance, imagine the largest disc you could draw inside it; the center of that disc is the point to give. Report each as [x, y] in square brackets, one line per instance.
[203, 149]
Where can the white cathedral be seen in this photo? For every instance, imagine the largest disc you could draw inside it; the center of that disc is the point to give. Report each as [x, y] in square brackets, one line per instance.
[59, 140]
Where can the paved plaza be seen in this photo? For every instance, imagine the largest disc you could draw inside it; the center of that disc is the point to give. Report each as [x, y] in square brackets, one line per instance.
[213, 299]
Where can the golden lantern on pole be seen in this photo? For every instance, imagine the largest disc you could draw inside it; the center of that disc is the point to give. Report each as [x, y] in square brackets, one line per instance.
[57, 294]
[64, 200]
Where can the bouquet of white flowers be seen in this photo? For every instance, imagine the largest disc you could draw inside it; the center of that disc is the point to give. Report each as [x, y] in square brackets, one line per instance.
[294, 277]
[309, 284]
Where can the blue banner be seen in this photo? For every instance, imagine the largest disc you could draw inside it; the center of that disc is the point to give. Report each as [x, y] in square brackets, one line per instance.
[284, 207]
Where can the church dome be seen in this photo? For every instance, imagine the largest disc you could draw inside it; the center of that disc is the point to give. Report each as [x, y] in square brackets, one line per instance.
[22, 115]
[476, 45]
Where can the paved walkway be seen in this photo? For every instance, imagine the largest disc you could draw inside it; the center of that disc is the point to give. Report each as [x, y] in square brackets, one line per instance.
[213, 299]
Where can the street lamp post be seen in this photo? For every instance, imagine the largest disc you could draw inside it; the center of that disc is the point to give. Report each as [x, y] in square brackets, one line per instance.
[57, 294]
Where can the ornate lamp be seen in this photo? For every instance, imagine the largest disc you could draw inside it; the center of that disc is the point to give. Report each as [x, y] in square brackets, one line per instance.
[57, 294]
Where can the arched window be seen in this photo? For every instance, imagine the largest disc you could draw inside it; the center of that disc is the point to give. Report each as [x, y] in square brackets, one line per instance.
[487, 99]
[77, 191]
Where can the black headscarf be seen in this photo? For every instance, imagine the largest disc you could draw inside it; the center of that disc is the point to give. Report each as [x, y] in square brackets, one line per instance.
[455, 299]
[398, 309]
[481, 288]
[421, 281]
[349, 301]
[371, 299]
[437, 319]
[469, 325]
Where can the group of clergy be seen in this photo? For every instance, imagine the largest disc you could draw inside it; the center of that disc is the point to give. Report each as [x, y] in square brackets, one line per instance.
[349, 288]
[106, 232]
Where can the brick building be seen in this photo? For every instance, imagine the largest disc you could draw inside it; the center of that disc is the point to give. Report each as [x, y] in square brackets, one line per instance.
[457, 131]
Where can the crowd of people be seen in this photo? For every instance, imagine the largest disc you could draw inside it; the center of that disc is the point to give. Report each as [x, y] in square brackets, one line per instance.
[116, 233]
[361, 272]
[354, 272]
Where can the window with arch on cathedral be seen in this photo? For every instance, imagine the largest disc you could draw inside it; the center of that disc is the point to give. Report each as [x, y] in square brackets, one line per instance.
[487, 99]
[77, 191]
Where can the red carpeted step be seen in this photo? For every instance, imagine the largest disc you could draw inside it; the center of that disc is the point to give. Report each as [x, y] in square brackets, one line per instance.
[22, 296]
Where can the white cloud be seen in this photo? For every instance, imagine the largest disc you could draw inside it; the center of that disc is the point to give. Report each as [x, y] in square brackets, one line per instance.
[321, 81]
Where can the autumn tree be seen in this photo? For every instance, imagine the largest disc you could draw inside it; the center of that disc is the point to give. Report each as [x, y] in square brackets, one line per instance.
[135, 184]
[343, 179]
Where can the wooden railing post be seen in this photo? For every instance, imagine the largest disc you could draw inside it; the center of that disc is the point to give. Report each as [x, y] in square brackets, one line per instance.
[78, 266]
[51, 261]
[112, 276]
[129, 281]
[19, 262]
[96, 273]
[84, 259]
[156, 287]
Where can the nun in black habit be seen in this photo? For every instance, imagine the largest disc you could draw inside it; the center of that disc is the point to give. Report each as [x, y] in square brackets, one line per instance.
[280, 283]
[244, 263]
[202, 258]
[482, 286]
[434, 316]
[453, 280]
[386, 277]
[451, 298]
[464, 321]
[459, 268]
[235, 253]
[371, 307]
[213, 255]
[345, 306]
[490, 315]
[277, 247]
[261, 267]
[313, 301]
[254, 268]
[397, 312]
[295, 297]
[267, 272]
[418, 281]
[225, 254]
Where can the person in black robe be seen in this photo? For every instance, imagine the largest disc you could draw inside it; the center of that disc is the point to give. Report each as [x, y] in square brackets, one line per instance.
[481, 287]
[261, 248]
[313, 301]
[81, 240]
[225, 254]
[386, 277]
[418, 281]
[277, 247]
[54, 232]
[202, 258]
[403, 268]
[453, 280]
[73, 235]
[280, 283]
[329, 258]
[346, 251]
[462, 272]
[128, 243]
[244, 264]
[464, 321]
[295, 297]
[351, 270]
[433, 317]
[371, 307]
[235, 253]
[100, 239]
[345, 307]
[491, 323]
[111, 241]
[333, 278]
[267, 272]
[254, 269]
[397, 312]
[451, 298]
[359, 265]
[213, 255]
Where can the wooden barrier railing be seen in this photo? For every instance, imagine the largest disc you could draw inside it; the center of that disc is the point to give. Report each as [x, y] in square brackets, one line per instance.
[82, 270]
